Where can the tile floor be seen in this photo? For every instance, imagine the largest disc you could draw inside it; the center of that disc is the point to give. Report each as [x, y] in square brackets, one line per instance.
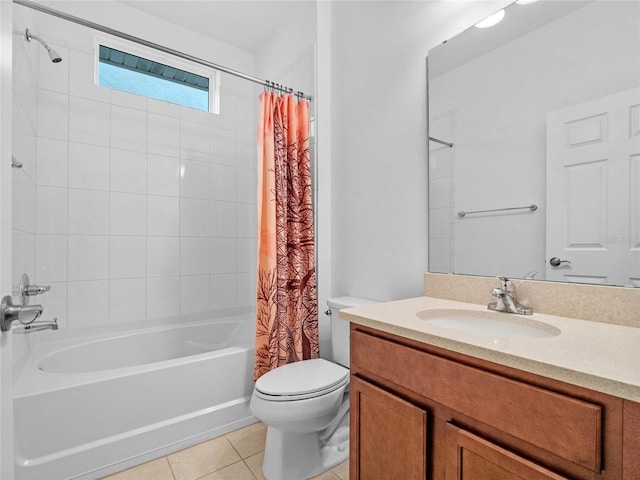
[234, 456]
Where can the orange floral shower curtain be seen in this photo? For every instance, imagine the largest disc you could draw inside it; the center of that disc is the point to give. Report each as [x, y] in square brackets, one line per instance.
[287, 300]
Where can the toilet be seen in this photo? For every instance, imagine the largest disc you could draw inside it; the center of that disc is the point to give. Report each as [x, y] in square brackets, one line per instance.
[306, 407]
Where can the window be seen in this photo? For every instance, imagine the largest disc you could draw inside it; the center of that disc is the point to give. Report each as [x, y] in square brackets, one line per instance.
[121, 70]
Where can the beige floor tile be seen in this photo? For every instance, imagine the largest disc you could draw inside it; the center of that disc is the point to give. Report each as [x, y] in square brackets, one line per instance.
[328, 475]
[249, 440]
[342, 470]
[255, 464]
[237, 471]
[202, 459]
[157, 470]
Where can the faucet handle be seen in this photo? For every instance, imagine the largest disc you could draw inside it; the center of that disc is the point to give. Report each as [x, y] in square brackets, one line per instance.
[505, 283]
[36, 289]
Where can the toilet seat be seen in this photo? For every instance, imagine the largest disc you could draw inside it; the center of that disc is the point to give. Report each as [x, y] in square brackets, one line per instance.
[301, 380]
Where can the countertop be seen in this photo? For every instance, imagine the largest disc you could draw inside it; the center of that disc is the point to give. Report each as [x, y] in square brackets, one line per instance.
[594, 355]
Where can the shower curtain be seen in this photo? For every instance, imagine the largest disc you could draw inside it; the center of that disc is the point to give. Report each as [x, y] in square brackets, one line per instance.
[287, 301]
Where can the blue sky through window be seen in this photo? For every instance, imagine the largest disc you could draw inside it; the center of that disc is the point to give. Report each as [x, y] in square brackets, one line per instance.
[142, 84]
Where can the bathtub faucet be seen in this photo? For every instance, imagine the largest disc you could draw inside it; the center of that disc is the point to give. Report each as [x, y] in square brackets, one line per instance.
[37, 326]
[9, 312]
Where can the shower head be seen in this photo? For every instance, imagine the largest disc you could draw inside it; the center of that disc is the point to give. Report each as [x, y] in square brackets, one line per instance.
[53, 55]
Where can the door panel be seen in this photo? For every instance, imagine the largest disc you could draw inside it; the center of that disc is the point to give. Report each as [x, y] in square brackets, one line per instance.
[472, 458]
[593, 191]
[389, 435]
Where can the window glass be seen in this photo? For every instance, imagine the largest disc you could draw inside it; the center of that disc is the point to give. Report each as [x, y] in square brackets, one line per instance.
[141, 76]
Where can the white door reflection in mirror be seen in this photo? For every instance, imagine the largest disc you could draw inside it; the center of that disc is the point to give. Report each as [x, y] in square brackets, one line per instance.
[593, 183]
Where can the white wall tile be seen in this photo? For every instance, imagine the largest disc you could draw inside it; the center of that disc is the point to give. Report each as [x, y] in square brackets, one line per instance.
[223, 182]
[245, 111]
[88, 166]
[136, 209]
[128, 171]
[195, 116]
[194, 141]
[54, 76]
[128, 128]
[223, 255]
[163, 296]
[82, 82]
[194, 217]
[53, 115]
[88, 212]
[127, 257]
[163, 256]
[88, 303]
[247, 220]
[246, 155]
[24, 207]
[163, 135]
[127, 300]
[126, 99]
[88, 121]
[247, 258]
[51, 210]
[223, 291]
[163, 108]
[194, 179]
[22, 257]
[163, 175]
[128, 214]
[246, 290]
[51, 258]
[22, 122]
[163, 216]
[223, 146]
[52, 162]
[223, 219]
[194, 294]
[228, 111]
[88, 257]
[247, 185]
[194, 255]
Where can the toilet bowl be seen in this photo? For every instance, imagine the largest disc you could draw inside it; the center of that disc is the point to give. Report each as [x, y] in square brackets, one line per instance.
[306, 408]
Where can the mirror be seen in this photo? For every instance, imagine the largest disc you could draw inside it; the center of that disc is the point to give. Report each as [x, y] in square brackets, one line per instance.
[543, 178]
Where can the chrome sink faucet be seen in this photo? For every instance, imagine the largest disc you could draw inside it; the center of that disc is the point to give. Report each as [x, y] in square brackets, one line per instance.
[507, 302]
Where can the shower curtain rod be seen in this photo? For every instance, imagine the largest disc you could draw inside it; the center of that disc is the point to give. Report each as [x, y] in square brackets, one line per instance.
[131, 38]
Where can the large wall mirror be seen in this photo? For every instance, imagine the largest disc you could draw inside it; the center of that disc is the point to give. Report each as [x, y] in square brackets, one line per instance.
[542, 175]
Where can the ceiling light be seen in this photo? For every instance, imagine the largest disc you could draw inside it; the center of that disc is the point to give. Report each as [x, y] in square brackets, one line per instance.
[491, 20]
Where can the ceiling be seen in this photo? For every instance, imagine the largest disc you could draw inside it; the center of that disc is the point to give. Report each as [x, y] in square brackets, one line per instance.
[245, 24]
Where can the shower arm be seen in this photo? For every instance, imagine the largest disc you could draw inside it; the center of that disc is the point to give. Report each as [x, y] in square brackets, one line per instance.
[53, 55]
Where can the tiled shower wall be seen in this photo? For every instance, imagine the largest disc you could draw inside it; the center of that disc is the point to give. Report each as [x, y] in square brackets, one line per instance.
[130, 208]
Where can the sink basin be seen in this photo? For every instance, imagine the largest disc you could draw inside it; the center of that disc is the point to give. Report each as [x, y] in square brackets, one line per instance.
[489, 324]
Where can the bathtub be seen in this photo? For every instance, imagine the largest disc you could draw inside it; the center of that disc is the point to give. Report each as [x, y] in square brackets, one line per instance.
[90, 403]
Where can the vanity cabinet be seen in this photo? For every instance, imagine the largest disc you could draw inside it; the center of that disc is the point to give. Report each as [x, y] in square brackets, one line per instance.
[423, 412]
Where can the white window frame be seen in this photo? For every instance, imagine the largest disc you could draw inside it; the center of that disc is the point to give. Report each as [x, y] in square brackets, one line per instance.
[160, 57]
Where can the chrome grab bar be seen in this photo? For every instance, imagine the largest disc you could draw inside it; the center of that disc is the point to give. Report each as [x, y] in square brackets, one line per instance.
[533, 207]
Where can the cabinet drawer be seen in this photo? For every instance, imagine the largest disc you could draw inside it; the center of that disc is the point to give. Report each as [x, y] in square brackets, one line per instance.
[567, 427]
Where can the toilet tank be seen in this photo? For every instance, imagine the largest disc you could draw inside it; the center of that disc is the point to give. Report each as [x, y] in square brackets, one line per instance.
[340, 327]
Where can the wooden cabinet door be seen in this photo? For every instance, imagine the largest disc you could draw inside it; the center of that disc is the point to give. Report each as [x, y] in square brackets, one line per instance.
[388, 435]
[472, 458]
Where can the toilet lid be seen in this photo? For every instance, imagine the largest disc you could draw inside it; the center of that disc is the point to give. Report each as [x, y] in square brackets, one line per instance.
[303, 379]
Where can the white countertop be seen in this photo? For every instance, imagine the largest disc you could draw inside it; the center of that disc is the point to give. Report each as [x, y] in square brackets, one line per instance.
[594, 355]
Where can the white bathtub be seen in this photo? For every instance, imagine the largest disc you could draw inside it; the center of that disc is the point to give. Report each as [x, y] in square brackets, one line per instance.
[95, 402]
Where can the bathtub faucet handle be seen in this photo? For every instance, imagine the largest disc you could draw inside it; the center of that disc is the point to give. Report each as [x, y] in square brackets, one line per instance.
[28, 290]
[31, 290]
